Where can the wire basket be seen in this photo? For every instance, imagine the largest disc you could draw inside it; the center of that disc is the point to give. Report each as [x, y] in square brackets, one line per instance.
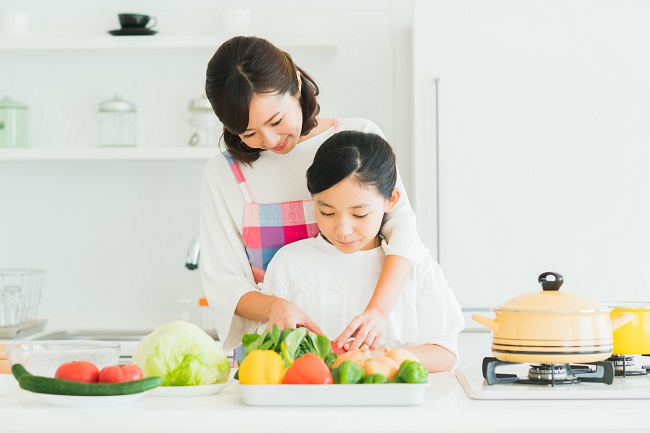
[20, 296]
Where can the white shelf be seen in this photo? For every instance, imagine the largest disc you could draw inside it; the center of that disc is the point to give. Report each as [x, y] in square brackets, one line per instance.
[108, 42]
[107, 153]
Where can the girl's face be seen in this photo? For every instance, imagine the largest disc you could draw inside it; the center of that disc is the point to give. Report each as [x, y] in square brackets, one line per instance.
[275, 123]
[349, 215]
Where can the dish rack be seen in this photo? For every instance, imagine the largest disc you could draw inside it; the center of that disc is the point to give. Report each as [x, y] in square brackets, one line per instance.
[20, 296]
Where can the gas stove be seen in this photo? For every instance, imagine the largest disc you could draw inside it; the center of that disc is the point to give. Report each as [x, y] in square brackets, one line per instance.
[620, 377]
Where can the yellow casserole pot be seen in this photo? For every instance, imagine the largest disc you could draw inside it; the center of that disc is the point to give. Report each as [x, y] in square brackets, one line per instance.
[633, 338]
[551, 327]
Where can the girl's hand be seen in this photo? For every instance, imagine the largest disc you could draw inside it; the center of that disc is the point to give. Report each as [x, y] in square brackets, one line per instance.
[366, 328]
[287, 315]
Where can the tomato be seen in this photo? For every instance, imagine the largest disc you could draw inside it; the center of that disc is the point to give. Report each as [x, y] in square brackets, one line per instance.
[336, 349]
[79, 371]
[308, 369]
[120, 373]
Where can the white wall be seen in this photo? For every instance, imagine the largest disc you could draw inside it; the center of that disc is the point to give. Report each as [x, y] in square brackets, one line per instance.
[543, 148]
[113, 234]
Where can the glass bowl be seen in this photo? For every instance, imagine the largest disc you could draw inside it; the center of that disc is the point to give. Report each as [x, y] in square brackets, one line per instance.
[42, 358]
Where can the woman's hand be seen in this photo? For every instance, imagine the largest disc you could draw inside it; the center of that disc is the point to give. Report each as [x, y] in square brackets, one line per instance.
[287, 315]
[366, 328]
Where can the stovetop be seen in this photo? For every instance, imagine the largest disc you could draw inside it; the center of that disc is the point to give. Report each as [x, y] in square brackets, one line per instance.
[476, 387]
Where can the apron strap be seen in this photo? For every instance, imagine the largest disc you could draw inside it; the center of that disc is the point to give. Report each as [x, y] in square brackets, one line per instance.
[239, 177]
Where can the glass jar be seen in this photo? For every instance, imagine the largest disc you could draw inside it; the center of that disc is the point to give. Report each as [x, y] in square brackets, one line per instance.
[116, 120]
[205, 124]
[13, 123]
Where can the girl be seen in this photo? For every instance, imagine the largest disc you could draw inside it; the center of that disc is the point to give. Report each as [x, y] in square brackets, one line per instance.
[331, 277]
[254, 199]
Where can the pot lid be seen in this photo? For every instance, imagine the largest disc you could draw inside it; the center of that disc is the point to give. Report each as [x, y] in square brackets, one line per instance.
[116, 104]
[551, 300]
[7, 102]
[629, 305]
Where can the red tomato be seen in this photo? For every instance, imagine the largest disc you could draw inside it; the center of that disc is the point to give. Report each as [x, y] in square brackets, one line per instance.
[308, 369]
[336, 349]
[79, 371]
[120, 373]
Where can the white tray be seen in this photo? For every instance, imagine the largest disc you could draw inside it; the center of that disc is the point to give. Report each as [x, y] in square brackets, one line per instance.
[390, 394]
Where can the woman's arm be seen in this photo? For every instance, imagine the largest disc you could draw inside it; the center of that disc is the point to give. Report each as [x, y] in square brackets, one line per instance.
[225, 271]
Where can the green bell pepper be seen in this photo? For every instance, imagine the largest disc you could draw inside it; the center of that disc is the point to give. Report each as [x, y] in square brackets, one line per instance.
[411, 372]
[375, 378]
[349, 372]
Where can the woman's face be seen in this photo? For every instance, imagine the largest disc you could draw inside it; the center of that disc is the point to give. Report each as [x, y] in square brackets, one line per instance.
[275, 123]
[349, 215]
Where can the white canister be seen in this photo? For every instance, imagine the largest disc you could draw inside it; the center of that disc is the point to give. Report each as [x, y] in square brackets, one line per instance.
[206, 128]
[116, 121]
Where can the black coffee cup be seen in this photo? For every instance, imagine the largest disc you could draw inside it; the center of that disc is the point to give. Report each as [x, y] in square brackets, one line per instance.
[129, 21]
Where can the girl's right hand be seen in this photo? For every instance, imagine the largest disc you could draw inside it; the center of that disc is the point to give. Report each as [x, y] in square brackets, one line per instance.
[286, 315]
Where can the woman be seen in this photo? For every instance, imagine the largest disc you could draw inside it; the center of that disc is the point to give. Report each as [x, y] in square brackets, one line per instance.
[254, 199]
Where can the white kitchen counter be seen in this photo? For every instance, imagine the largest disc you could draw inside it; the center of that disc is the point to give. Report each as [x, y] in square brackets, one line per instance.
[446, 409]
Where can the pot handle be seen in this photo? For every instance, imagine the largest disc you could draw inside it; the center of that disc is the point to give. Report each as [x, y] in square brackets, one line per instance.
[621, 319]
[550, 285]
[488, 323]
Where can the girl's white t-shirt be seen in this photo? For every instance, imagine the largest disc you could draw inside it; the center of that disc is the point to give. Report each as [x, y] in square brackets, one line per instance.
[332, 288]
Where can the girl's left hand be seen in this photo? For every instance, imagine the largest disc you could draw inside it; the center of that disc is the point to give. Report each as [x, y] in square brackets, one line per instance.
[366, 328]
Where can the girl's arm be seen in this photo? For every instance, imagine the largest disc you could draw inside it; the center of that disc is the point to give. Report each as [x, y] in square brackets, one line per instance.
[368, 327]
[435, 358]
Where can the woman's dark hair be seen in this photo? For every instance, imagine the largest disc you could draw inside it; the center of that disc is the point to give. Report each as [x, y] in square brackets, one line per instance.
[364, 155]
[244, 66]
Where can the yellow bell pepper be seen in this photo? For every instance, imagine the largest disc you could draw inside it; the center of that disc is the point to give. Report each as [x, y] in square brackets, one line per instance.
[261, 367]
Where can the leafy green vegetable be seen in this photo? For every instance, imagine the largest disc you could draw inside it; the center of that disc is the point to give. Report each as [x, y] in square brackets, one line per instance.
[290, 344]
[183, 355]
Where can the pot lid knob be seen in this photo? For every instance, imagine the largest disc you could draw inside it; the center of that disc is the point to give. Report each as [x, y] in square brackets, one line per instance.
[552, 284]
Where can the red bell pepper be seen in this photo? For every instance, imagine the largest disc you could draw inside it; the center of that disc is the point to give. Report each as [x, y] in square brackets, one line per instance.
[309, 369]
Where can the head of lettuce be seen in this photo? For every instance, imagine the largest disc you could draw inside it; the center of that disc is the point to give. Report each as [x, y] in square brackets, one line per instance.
[183, 355]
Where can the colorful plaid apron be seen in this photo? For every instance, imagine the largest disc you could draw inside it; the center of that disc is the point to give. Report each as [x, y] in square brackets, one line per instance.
[267, 227]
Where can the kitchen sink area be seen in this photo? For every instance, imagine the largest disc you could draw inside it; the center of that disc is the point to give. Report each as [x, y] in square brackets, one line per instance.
[128, 338]
[97, 335]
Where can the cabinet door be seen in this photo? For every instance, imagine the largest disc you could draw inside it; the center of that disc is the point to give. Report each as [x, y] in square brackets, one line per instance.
[543, 150]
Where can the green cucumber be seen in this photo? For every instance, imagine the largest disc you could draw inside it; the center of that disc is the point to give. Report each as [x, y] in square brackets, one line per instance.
[50, 385]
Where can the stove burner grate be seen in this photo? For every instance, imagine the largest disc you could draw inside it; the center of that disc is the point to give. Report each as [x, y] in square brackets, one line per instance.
[550, 374]
[625, 366]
